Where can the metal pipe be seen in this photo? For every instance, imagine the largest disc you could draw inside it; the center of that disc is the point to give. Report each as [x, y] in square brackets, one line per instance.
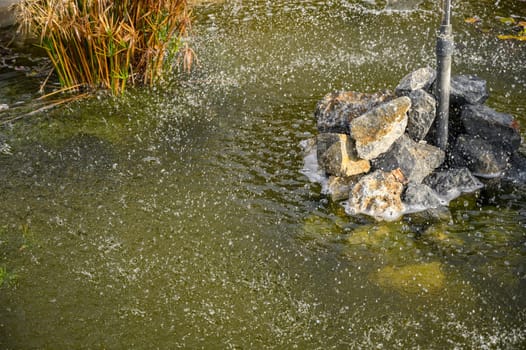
[444, 50]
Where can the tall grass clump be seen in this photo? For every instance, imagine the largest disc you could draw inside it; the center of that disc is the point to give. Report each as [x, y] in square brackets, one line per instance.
[108, 44]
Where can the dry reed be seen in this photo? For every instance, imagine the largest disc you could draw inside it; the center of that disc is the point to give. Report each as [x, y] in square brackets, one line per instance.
[108, 44]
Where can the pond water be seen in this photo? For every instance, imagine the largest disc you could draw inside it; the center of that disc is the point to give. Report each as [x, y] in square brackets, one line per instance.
[178, 217]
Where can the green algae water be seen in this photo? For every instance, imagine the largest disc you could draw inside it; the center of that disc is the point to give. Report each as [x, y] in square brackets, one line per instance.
[178, 216]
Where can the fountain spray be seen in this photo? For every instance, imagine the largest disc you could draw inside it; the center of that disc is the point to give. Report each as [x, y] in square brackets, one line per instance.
[444, 49]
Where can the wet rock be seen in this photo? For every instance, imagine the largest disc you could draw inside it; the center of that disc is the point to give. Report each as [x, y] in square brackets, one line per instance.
[421, 115]
[324, 141]
[419, 197]
[468, 89]
[412, 279]
[516, 172]
[376, 130]
[497, 128]
[480, 157]
[416, 159]
[341, 159]
[339, 187]
[378, 194]
[422, 78]
[335, 111]
[451, 183]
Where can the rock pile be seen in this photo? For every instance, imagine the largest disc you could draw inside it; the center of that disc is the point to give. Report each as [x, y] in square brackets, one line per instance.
[376, 152]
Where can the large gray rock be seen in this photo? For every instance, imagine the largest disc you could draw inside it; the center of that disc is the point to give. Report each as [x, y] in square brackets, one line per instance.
[421, 115]
[422, 78]
[497, 128]
[468, 89]
[376, 130]
[416, 160]
[335, 111]
[451, 183]
[341, 159]
[378, 194]
[482, 158]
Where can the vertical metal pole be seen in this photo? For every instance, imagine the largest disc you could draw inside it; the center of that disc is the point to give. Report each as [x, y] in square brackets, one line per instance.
[444, 51]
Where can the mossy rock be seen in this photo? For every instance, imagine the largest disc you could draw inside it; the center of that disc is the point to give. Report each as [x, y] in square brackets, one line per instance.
[412, 279]
[382, 235]
[316, 226]
[370, 235]
[446, 241]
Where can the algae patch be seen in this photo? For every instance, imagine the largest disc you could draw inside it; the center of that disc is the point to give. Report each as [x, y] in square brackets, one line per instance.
[412, 279]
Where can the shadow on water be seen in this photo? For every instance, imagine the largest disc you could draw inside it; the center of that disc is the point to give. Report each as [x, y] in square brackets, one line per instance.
[178, 216]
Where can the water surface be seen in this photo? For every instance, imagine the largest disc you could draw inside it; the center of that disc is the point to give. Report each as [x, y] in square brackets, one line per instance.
[178, 217]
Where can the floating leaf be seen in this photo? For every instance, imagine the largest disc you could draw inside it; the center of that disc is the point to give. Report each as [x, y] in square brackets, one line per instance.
[512, 37]
[522, 24]
[507, 20]
[472, 20]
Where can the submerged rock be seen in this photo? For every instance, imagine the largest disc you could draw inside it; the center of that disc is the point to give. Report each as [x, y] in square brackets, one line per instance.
[335, 111]
[419, 220]
[500, 129]
[468, 89]
[416, 160]
[412, 279]
[376, 130]
[316, 226]
[479, 156]
[452, 183]
[378, 194]
[371, 236]
[341, 159]
[421, 78]
[421, 115]
[448, 243]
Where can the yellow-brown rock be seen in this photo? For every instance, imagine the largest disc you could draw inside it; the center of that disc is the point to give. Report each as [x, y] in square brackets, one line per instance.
[376, 130]
[341, 160]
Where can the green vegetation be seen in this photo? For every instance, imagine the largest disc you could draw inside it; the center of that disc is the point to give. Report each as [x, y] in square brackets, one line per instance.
[7, 278]
[108, 44]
